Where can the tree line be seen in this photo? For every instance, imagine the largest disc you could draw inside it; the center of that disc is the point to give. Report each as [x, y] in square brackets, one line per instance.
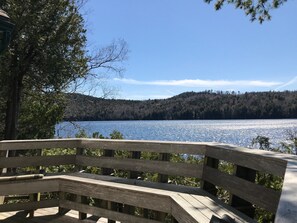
[186, 106]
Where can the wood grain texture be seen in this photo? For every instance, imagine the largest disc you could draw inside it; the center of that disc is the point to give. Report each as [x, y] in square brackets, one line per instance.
[29, 186]
[30, 161]
[146, 146]
[29, 205]
[263, 161]
[254, 193]
[152, 166]
[126, 194]
[104, 212]
[39, 144]
[287, 208]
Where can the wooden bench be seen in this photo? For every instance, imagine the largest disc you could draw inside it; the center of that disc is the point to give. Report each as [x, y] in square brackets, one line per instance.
[172, 199]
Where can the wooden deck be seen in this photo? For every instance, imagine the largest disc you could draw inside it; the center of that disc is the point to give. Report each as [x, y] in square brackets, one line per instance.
[195, 206]
[132, 198]
[45, 215]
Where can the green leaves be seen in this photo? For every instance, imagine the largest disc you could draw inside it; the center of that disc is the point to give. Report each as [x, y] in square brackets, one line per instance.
[47, 54]
[256, 10]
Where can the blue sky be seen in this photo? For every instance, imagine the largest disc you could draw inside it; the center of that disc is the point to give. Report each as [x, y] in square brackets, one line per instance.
[177, 46]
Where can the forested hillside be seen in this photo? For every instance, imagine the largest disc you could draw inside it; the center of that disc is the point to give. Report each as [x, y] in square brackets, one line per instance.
[189, 105]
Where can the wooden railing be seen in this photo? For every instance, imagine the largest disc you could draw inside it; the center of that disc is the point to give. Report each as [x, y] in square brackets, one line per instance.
[133, 159]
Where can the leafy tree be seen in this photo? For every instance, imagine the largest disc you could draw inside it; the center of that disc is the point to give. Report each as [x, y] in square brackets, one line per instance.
[257, 10]
[46, 55]
[39, 115]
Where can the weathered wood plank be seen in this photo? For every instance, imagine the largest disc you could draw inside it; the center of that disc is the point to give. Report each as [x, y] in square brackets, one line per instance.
[29, 186]
[146, 146]
[148, 184]
[104, 212]
[26, 161]
[39, 144]
[254, 193]
[132, 195]
[184, 212]
[287, 208]
[263, 161]
[198, 206]
[220, 208]
[153, 166]
[29, 205]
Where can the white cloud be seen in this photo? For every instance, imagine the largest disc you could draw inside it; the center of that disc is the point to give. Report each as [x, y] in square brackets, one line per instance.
[202, 83]
[290, 82]
[146, 97]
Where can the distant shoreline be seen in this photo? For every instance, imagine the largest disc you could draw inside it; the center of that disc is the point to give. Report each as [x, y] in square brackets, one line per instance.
[187, 106]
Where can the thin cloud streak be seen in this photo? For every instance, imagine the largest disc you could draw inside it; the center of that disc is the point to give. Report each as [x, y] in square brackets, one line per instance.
[201, 83]
[290, 82]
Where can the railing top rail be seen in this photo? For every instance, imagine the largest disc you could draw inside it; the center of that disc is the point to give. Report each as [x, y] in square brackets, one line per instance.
[207, 148]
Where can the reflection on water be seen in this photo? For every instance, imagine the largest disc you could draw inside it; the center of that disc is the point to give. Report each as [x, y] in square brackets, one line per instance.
[238, 132]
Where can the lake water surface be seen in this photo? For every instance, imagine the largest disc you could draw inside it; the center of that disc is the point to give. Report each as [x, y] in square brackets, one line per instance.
[238, 132]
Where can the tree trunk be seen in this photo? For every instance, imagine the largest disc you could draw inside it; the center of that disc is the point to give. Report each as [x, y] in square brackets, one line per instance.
[13, 108]
[12, 113]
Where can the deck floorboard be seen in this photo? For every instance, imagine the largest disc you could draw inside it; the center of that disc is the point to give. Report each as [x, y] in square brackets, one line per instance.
[44, 215]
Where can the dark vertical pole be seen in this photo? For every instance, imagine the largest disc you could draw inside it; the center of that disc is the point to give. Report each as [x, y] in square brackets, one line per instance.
[207, 186]
[83, 200]
[162, 178]
[134, 174]
[108, 171]
[79, 152]
[239, 203]
[107, 153]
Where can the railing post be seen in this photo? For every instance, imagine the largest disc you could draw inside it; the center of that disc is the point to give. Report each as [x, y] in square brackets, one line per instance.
[162, 178]
[2, 154]
[33, 197]
[107, 153]
[62, 196]
[83, 200]
[134, 174]
[205, 185]
[79, 152]
[108, 171]
[237, 202]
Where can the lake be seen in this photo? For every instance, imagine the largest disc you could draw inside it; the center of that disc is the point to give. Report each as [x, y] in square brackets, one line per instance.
[238, 132]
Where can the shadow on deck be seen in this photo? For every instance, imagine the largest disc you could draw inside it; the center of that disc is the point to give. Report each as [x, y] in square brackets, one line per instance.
[45, 215]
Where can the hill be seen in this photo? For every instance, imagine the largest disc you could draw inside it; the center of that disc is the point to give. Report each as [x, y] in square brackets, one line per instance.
[189, 105]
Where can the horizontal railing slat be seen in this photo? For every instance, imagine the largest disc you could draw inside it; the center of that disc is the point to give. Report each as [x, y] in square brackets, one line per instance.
[146, 146]
[264, 161]
[254, 193]
[152, 166]
[39, 144]
[29, 205]
[26, 161]
[29, 186]
[126, 194]
[100, 212]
